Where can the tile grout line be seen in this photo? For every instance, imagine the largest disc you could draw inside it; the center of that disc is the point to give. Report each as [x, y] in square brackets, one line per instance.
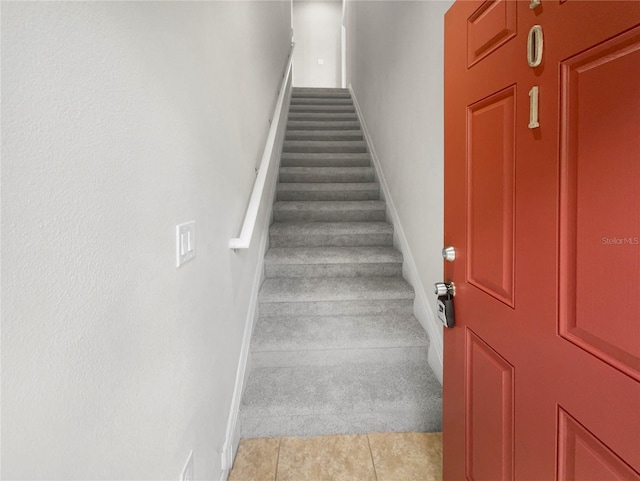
[275, 478]
[373, 463]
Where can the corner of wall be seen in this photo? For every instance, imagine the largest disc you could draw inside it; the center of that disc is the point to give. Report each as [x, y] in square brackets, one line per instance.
[421, 306]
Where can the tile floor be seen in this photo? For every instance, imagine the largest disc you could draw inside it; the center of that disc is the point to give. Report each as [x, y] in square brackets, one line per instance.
[371, 457]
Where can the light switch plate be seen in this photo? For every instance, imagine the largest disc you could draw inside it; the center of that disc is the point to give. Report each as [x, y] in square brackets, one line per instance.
[185, 242]
[320, 61]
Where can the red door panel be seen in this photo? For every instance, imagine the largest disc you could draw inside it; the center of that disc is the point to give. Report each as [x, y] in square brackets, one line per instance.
[489, 416]
[490, 206]
[600, 195]
[542, 370]
[490, 26]
[582, 457]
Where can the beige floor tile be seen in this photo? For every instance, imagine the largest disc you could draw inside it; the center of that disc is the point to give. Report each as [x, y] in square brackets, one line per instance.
[325, 458]
[256, 460]
[407, 456]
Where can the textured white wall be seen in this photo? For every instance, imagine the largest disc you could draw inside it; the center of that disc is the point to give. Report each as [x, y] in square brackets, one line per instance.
[395, 67]
[316, 32]
[119, 121]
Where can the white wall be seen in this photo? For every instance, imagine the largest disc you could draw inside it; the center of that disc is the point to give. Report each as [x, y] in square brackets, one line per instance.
[119, 121]
[316, 32]
[395, 68]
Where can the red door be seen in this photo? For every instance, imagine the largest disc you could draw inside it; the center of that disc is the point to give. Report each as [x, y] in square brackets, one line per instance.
[542, 369]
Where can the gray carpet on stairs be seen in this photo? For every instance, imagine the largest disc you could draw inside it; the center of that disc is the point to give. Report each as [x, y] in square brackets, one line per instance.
[336, 349]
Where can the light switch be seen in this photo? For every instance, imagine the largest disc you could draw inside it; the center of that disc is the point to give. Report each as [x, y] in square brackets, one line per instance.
[185, 242]
[320, 61]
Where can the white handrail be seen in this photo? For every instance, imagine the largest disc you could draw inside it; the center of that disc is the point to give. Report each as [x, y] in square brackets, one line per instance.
[251, 216]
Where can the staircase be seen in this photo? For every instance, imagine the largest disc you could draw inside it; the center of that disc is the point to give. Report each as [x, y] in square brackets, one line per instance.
[336, 348]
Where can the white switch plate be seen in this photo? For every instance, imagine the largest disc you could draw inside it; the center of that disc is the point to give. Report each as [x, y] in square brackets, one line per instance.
[320, 61]
[185, 242]
[187, 471]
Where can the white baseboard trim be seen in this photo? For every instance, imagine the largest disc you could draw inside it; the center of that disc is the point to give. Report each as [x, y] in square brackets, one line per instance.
[421, 306]
[232, 438]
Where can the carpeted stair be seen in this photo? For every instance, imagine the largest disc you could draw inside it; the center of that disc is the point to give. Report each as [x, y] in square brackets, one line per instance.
[336, 348]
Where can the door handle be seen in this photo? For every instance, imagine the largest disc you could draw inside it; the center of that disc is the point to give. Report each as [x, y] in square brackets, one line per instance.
[449, 253]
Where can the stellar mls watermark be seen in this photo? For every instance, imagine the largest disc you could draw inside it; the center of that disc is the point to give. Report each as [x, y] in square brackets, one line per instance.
[621, 241]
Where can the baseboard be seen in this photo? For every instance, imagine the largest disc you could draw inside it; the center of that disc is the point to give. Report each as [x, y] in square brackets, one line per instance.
[421, 306]
[232, 438]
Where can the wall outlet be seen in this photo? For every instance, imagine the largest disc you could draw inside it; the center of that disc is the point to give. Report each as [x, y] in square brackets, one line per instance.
[185, 242]
[187, 471]
[320, 61]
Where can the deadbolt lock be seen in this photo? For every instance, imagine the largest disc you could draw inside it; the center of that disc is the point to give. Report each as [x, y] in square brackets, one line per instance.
[445, 292]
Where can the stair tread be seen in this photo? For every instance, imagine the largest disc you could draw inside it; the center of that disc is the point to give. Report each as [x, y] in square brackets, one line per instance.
[327, 191]
[332, 255]
[326, 155]
[322, 143]
[326, 125]
[328, 145]
[293, 333]
[327, 186]
[327, 174]
[285, 289]
[323, 131]
[325, 159]
[322, 96]
[327, 170]
[320, 116]
[321, 108]
[335, 158]
[333, 261]
[331, 228]
[324, 135]
[364, 387]
[328, 205]
[304, 100]
[320, 89]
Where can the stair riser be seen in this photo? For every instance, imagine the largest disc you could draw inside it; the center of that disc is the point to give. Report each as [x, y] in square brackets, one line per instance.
[324, 333]
[324, 162]
[297, 159]
[330, 216]
[417, 420]
[336, 308]
[329, 109]
[299, 92]
[334, 270]
[328, 177]
[334, 357]
[309, 125]
[327, 136]
[321, 101]
[322, 147]
[339, 240]
[321, 96]
[322, 116]
[329, 195]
